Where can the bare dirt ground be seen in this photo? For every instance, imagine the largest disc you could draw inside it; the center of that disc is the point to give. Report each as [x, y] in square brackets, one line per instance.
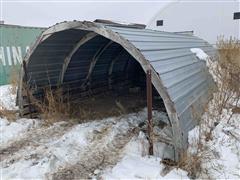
[113, 104]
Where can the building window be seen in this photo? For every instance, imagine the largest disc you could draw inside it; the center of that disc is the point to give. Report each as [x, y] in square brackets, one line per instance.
[236, 15]
[159, 22]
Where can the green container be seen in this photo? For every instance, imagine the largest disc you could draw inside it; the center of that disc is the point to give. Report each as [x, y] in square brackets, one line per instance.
[14, 43]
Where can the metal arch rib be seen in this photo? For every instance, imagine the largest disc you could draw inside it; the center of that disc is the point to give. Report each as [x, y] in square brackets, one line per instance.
[67, 60]
[94, 61]
[111, 68]
[138, 56]
[156, 80]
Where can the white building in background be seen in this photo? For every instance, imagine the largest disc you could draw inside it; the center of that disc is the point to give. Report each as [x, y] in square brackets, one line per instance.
[207, 20]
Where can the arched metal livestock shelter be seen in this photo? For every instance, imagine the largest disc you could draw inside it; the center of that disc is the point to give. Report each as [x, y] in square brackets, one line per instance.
[91, 55]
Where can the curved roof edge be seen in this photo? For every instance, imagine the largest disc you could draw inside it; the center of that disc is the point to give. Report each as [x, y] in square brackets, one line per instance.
[122, 36]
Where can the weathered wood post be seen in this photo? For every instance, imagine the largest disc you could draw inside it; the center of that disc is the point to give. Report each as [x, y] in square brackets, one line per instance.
[149, 107]
[26, 88]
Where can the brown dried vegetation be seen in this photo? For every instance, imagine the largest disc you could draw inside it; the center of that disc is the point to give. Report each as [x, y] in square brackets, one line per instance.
[225, 69]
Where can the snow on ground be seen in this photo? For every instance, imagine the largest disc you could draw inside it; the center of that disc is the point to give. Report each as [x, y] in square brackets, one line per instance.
[223, 161]
[44, 155]
[111, 148]
[226, 145]
[137, 167]
[36, 162]
[136, 164]
[29, 149]
[12, 130]
[7, 99]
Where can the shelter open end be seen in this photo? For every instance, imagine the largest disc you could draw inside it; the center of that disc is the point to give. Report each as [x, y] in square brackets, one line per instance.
[98, 57]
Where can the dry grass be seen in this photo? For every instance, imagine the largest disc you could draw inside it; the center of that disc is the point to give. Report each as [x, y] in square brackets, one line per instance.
[53, 107]
[9, 114]
[57, 106]
[225, 69]
[227, 74]
[198, 154]
[14, 80]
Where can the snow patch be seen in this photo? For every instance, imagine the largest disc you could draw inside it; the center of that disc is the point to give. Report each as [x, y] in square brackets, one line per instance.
[200, 53]
[12, 130]
[7, 99]
[212, 65]
[47, 157]
[225, 145]
[135, 164]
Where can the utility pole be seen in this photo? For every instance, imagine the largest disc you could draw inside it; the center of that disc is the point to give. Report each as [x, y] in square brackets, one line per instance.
[149, 107]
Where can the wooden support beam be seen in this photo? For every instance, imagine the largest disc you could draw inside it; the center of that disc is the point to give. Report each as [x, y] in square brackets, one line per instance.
[26, 78]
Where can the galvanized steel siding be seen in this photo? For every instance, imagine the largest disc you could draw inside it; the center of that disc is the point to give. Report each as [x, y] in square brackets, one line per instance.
[181, 79]
[184, 76]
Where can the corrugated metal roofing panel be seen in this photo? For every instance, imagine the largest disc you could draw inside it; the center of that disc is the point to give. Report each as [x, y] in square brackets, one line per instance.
[183, 75]
[180, 78]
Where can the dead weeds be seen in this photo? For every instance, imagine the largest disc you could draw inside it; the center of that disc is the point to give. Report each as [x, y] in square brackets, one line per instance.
[225, 69]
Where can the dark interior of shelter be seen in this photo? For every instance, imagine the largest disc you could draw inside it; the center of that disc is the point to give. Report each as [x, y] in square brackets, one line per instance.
[101, 78]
